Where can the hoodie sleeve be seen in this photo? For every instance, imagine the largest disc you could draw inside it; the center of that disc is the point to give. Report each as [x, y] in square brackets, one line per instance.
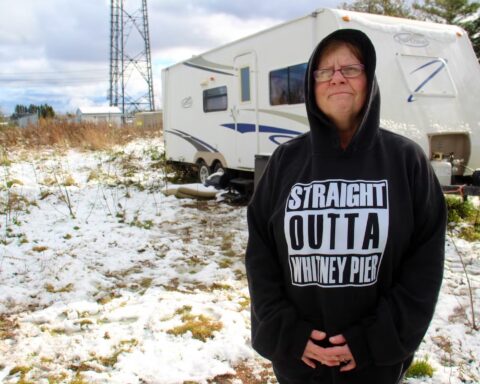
[277, 330]
[403, 314]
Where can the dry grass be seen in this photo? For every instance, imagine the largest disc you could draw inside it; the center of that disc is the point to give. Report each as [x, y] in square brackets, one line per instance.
[7, 328]
[51, 289]
[66, 134]
[200, 326]
[246, 375]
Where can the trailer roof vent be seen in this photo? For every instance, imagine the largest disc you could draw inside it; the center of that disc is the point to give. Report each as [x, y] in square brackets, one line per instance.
[346, 18]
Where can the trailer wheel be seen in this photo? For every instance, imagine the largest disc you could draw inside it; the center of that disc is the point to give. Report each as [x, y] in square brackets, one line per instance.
[218, 167]
[203, 171]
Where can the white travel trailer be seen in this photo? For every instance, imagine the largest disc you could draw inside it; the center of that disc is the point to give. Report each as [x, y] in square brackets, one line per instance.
[226, 106]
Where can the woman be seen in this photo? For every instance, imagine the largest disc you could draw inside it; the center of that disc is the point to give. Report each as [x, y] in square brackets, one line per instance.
[346, 234]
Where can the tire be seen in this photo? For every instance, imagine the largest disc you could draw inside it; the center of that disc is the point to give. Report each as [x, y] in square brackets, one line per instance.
[217, 167]
[203, 171]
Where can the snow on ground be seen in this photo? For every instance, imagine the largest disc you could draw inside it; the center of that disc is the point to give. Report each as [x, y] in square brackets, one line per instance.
[104, 279]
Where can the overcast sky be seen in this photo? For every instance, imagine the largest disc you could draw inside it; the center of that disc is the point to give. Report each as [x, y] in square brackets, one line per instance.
[57, 51]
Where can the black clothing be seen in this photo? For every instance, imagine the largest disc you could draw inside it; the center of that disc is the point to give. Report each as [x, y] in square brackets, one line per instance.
[345, 241]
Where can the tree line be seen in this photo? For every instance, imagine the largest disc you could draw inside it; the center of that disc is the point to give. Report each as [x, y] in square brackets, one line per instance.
[464, 13]
[44, 110]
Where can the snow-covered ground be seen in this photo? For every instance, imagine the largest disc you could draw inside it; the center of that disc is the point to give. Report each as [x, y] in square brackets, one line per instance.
[104, 279]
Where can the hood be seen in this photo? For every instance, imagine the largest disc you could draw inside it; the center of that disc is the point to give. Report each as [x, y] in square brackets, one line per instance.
[325, 139]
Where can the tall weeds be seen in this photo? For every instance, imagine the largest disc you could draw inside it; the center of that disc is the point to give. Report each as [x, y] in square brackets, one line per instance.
[471, 292]
[68, 134]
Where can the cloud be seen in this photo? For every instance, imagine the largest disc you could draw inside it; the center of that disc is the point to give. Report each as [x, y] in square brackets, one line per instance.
[246, 9]
[59, 29]
[62, 47]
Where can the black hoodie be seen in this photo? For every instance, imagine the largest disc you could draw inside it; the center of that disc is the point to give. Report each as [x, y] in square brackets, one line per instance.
[346, 241]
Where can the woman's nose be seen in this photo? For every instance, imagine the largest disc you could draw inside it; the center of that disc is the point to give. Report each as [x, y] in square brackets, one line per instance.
[337, 77]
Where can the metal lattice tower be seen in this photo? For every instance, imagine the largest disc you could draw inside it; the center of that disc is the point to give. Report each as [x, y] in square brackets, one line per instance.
[130, 60]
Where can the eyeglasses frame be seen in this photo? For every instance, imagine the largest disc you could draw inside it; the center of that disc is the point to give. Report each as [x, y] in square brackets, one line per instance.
[361, 66]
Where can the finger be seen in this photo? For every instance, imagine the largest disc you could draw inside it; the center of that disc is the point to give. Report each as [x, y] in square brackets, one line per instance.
[317, 354]
[318, 335]
[313, 351]
[312, 356]
[309, 362]
[337, 351]
[331, 362]
[351, 365]
[337, 339]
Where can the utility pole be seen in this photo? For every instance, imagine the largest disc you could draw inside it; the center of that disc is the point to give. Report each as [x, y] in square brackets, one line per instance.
[130, 59]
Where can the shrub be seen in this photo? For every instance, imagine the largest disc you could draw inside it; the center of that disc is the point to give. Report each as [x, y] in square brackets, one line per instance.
[464, 217]
[460, 210]
[420, 368]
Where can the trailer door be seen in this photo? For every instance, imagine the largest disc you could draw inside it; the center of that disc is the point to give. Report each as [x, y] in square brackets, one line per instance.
[244, 110]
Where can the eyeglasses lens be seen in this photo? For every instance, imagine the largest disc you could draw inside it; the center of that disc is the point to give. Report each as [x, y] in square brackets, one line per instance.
[348, 71]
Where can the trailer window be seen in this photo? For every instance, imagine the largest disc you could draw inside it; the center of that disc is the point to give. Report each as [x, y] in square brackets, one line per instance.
[215, 99]
[426, 76]
[245, 84]
[286, 85]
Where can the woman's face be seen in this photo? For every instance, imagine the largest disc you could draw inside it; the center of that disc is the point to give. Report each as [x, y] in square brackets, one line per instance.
[340, 98]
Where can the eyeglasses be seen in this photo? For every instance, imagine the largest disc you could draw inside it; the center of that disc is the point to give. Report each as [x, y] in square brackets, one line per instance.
[348, 71]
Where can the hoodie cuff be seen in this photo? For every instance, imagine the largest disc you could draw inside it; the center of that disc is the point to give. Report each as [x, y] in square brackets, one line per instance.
[358, 344]
[301, 335]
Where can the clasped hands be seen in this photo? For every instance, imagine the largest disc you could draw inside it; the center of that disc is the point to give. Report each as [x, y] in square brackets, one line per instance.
[331, 356]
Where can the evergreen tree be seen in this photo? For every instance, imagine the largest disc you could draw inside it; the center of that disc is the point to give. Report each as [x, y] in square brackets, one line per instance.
[446, 11]
[396, 8]
[464, 13]
[44, 110]
[32, 108]
[473, 29]
[20, 110]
